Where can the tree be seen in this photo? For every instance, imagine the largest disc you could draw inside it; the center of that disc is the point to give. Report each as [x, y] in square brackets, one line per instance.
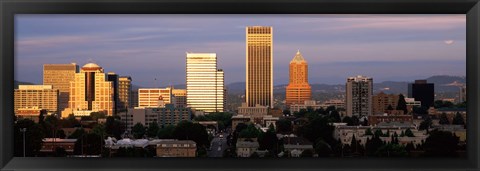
[372, 145]
[138, 131]
[425, 124]
[348, 120]
[389, 107]
[166, 132]
[152, 129]
[268, 141]
[250, 132]
[443, 119]
[60, 152]
[441, 144]
[284, 126]
[458, 119]
[335, 116]
[368, 132]
[186, 130]
[409, 133]
[391, 150]
[114, 127]
[97, 115]
[33, 138]
[286, 112]
[322, 148]
[61, 134]
[402, 104]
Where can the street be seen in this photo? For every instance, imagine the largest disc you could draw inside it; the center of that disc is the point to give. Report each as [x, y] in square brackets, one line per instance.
[217, 146]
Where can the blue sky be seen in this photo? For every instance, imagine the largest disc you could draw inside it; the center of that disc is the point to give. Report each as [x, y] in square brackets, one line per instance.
[385, 47]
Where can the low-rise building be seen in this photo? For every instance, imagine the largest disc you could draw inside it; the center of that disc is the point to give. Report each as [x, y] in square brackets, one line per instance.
[49, 145]
[30, 113]
[294, 146]
[168, 115]
[375, 119]
[176, 148]
[306, 104]
[246, 148]
[237, 119]
[257, 111]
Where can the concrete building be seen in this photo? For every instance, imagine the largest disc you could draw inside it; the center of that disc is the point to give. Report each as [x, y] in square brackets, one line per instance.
[376, 119]
[411, 102]
[205, 83]
[257, 111]
[168, 115]
[306, 104]
[339, 104]
[180, 96]
[295, 146]
[298, 90]
[177, 148]
[237, 119]
[246, 148]
[345, 133]
[381, 102]
[37, 97]
[359, 91]
[30, 113]
[49, 145]
[148, 97]
[90, 91]
[259, 66]
[124, 92]
[60, 76]
[423, 92]
[134, 99]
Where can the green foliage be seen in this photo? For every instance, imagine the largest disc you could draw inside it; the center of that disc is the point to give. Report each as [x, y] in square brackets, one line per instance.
[166, 132]
[224, 119]
[322, 148]
[443, 119]
[99, 130]
[441, 144]
[458, 119]
[284, 126]
[368, 132]
[426, 124]
[97, 115]
[317, 128]
[33, 138]
[138, 131]
[402, 104]
[420, 110]
[409, 133]
[442, 104]
[250, 132]
[268, 141]
[152, 129]
[186, 130]
[114, 127]
[391, 150]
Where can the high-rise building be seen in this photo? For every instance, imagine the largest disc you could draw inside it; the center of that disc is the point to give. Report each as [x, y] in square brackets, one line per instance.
[149, 97]
[462, 94]
[423, 92]
[259, 66]
[163, 116]
[90, 91]
[60, 76]
[298, 90]
[382, 101]
[36, 97]
[205, 83]
[124, 92]
[180, 96]
[359, 92]
[134, 99]
[112, 77]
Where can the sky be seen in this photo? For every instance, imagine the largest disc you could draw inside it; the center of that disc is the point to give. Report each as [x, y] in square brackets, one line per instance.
[148, 47]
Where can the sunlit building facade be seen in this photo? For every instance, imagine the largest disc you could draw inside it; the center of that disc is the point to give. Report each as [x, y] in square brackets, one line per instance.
[91, 91]
[205, 83]
[180, 96]
[149, 97]
[124, 92]
[259, 66]
[36, 97]
[359, 94]
[60, 76]
[298, 90]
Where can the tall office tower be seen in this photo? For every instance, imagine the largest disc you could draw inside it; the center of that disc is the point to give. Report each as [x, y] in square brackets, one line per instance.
[90, 91]
[259, 66]
[124, 92]
[36, 97]
[112, 77]
[298, 89]
[382, 101]
[180, 98]
[60, 76]
[359, 92]
[148, 97]
[205, 83]
[423, 92]
[134, 99]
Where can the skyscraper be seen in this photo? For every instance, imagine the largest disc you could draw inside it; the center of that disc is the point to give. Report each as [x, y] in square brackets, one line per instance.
[60, 76]
[112, 77]
[180, 96]
[359, 92]
[298, 89]
[423, 92]
[205, 83]
[124, 92]
[90, 91]
[259, 66]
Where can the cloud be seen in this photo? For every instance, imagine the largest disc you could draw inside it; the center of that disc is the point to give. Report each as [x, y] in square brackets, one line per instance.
[449, 42]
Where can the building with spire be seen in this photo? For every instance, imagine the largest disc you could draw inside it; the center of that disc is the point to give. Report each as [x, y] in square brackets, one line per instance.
[90, 92]
[298, 90]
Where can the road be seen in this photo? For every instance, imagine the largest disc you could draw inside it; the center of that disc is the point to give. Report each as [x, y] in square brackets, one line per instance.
[217, 146]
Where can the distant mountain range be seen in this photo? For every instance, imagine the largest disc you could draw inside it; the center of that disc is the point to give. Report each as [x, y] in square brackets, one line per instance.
[443, 83]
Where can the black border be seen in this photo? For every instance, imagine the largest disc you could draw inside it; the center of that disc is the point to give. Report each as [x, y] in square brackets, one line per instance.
[8, 8]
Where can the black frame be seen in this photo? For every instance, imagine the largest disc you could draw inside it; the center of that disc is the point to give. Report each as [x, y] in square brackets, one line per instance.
[9, 8]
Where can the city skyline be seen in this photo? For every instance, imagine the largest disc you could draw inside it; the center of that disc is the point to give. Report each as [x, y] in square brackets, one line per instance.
[338, 46]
